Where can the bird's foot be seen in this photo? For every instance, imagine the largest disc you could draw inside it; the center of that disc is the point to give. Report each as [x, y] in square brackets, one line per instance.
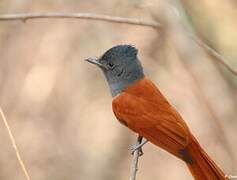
[138, 147]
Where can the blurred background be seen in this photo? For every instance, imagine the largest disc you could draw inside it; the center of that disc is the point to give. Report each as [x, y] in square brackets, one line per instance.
[59, 107]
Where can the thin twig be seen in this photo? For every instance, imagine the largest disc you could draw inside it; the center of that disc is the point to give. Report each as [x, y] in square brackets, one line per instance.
[91, 16]
[135, 158]
[218, 57]
[115, 19]
[14, 145]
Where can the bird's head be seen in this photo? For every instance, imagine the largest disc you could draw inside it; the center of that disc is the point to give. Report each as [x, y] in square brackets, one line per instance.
[120, 66]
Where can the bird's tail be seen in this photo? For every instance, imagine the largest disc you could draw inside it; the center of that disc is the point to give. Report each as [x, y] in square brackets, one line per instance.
[201, 166]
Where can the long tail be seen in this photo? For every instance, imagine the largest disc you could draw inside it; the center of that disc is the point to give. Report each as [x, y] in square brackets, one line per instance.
[202, 166]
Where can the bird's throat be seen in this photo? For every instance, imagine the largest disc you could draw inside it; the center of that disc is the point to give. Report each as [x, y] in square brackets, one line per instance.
[117, 86]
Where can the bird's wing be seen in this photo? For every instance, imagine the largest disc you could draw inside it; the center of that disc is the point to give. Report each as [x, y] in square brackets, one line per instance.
[159, 123]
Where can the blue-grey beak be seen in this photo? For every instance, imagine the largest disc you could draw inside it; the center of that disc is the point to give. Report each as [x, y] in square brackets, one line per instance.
[95, 61]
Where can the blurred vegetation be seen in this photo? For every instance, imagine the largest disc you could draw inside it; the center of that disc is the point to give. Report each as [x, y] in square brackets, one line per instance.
[59, 107]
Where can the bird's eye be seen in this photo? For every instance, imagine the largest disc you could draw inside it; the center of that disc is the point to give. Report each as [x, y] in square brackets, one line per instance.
[111, 65]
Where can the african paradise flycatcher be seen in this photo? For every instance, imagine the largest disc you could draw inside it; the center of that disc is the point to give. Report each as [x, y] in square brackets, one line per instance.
[139, 105]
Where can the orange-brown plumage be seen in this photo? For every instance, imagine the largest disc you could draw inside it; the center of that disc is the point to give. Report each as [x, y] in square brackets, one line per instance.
[139, 105]
[143, 109]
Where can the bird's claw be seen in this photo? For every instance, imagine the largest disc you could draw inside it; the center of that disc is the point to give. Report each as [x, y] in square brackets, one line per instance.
[138, 148]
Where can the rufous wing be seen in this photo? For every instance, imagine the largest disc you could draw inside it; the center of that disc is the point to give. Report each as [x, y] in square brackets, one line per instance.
[159, 122]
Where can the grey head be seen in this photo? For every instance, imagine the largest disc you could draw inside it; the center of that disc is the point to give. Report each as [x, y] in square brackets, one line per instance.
[121, 67]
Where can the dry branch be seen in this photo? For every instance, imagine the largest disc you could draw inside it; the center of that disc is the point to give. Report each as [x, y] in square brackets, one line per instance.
[14, 145]
[115, 19]
[218, 57]
[136, 155]
[91, 16]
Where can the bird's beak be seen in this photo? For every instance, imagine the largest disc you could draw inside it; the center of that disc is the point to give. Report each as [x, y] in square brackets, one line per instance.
[95, 61]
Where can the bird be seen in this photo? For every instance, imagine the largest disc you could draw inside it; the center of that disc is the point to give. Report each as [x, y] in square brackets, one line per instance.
[140, 106]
